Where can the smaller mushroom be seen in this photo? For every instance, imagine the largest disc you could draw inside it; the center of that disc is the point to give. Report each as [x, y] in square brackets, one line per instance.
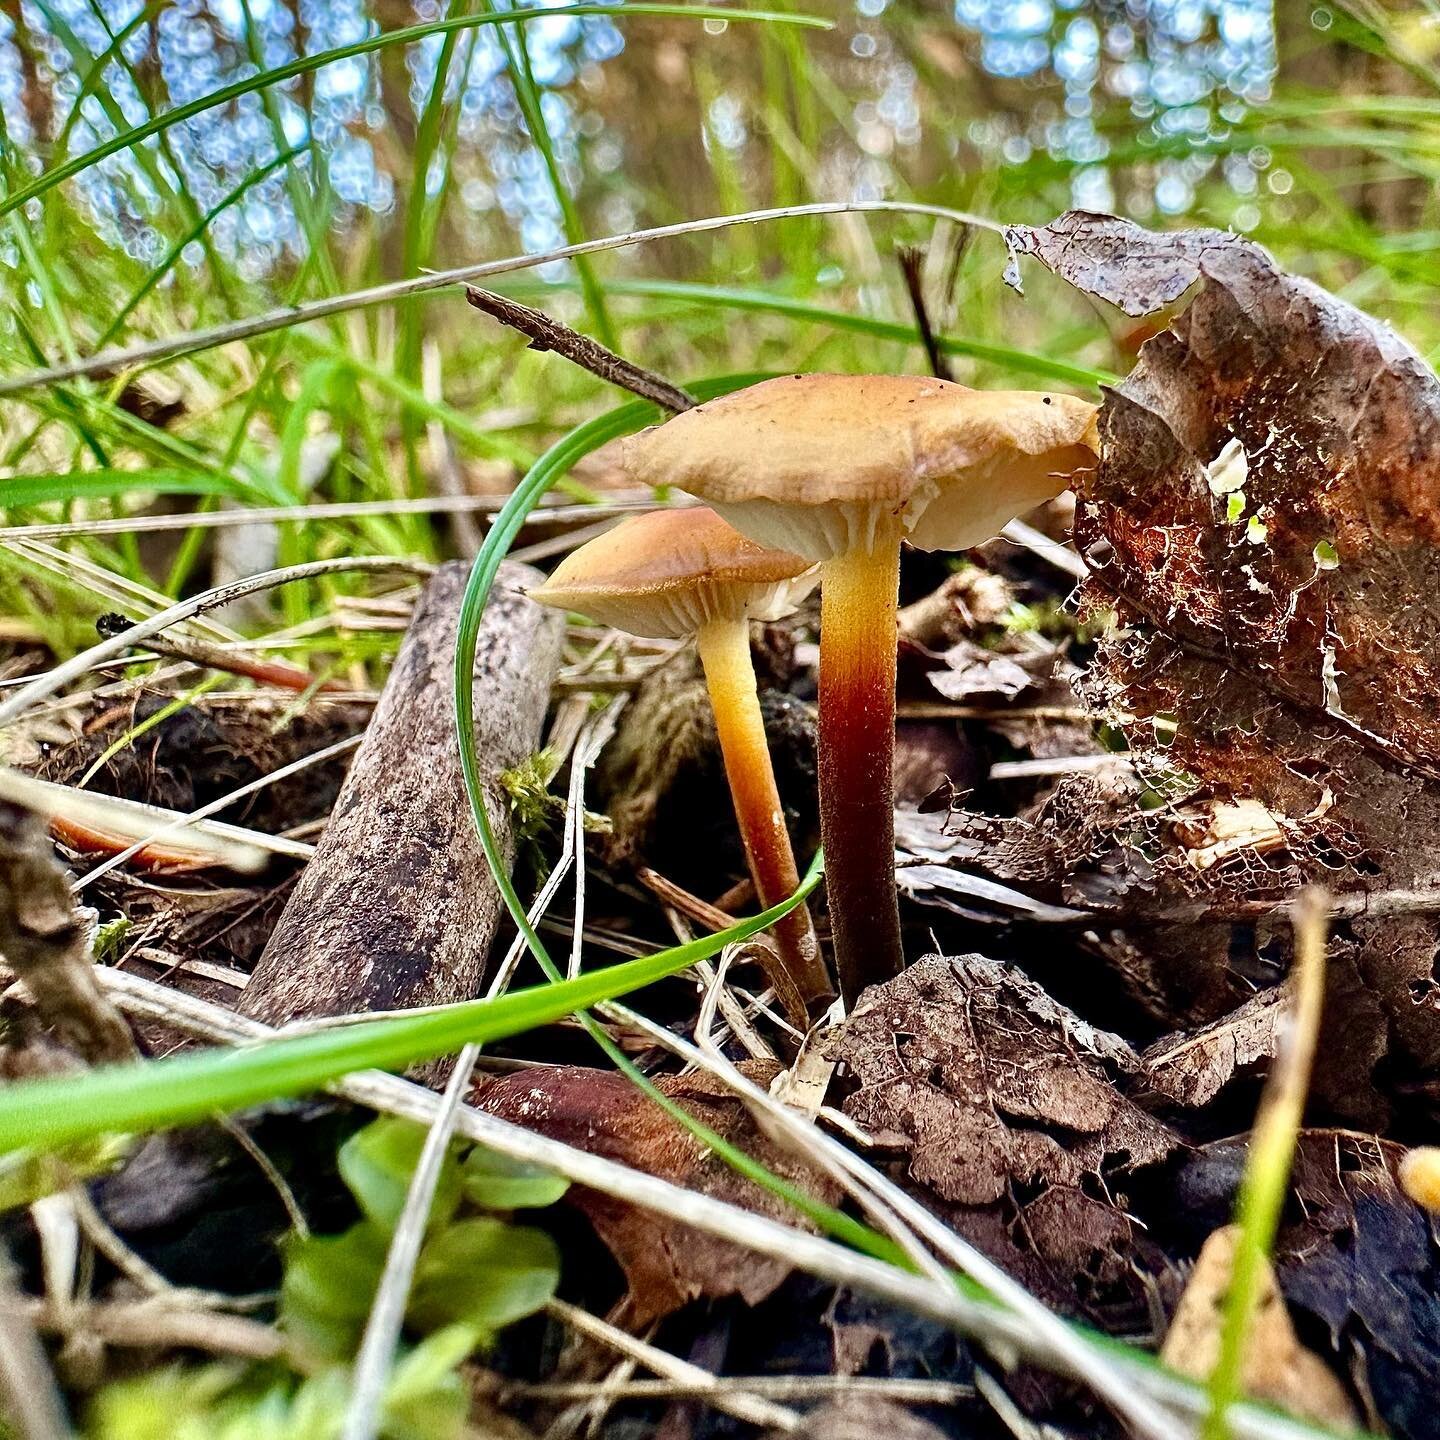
[673, 574]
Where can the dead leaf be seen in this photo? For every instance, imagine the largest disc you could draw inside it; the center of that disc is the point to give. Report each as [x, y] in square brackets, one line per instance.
[970, 671]
[666, 1264]
[1264, 526]
[1193, 1067]
[1278, 1368]
[1223, 829]
[1363, 1259]
[1116, 260]
[1005, 1107]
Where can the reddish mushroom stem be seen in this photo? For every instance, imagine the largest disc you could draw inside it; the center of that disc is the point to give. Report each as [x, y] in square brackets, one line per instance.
[724, 647]
[859, 595]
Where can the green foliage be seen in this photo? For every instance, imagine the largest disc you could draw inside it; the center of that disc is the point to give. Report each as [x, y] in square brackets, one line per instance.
[425, 1400]
[496, 1182]
[535, 810]
[477, 1272]
[376, 1164]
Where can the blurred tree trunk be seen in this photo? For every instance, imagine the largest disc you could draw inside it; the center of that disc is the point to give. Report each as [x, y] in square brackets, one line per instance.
[1310, 60]
[36, 94]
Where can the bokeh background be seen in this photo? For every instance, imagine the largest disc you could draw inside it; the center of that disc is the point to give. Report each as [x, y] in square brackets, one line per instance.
[1313, 128]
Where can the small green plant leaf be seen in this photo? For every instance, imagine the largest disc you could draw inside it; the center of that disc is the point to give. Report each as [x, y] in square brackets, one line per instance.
[427, 1398]
[483, 1273]
[329, 1283]
[496, 1182]
[377, 1163]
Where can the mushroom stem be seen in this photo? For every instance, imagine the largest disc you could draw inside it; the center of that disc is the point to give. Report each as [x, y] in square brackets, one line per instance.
[724, 647]
[859, 595]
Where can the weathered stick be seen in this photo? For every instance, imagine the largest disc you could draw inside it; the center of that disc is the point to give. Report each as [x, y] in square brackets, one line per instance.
[46, 942]
[397, 909]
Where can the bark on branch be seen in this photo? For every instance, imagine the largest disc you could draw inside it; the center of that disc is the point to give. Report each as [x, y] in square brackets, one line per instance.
[397, 908]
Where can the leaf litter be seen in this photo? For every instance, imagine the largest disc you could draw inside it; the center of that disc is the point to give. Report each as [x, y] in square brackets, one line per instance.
[1259, 643]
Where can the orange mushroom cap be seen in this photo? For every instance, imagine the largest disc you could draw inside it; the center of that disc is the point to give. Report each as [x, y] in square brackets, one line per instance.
[817, 463]
[667, 573]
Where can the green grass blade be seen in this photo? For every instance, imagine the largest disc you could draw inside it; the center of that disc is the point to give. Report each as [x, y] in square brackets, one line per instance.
[155, 1094]
[527, 96]
[111, 485]
[307, 63]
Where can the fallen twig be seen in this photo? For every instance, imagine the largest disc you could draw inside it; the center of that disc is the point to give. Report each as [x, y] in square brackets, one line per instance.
[218, 657]
[397, 907]
[545, 333]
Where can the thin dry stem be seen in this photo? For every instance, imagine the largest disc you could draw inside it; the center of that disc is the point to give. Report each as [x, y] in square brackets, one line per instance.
[122, 357]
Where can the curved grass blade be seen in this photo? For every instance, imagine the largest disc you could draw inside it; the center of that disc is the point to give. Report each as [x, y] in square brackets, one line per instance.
[306, 63]
[199, 228]
[547, 471]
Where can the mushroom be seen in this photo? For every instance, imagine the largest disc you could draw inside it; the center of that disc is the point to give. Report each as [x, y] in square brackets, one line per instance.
[673, 574]
[840, 469]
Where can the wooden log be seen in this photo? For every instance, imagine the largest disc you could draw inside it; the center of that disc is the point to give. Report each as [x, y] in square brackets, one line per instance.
[397, 909]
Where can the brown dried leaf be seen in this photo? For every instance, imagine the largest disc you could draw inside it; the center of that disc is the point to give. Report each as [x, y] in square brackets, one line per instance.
[1356, 1261]
[1116, 260]
[1003, 1104]
[1192, 1068]
[970, 670]
[977, 1073]
[666, 1264]
[1278, 1368]
[1265, 525]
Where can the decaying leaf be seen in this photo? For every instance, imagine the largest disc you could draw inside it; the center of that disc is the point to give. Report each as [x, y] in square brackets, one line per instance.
[1005, 1107]
[1193, 1068]
[666, 1264]
[970, 671]
[1264, 524]
[940, 852]
[1117, 260]
[1278, 1368]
